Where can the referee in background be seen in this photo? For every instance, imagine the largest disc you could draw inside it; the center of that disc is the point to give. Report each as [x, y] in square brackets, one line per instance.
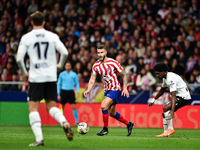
[67, 81]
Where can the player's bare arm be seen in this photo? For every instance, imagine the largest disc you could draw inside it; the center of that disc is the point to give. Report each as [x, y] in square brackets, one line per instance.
[90, 84]
[173, 104]
[125, 91]
[160, 93]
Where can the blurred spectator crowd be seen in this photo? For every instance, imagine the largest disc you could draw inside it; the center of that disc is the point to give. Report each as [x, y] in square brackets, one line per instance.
[137, 33]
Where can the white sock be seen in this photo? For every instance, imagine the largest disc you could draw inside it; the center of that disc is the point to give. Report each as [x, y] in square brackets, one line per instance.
[169, 120]
[35, 123]
[165, 125]
[170, 124]
[57, 114]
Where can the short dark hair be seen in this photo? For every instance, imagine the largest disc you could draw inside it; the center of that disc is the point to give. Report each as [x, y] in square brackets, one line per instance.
[102, 47]
[37, 18]
[68, 62]
[161, 67]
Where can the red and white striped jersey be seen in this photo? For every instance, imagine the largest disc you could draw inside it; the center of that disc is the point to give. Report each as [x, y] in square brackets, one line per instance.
[108, 72]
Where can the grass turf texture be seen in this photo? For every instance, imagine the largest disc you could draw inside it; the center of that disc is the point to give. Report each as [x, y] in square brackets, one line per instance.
[17, 137]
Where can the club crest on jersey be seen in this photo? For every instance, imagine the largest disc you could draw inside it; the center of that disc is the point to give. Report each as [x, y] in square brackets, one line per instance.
[108, 69]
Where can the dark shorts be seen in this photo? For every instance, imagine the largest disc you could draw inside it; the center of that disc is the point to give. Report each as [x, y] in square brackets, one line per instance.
[67, 95]
[39, 91]
[180, 102]
[114, 95]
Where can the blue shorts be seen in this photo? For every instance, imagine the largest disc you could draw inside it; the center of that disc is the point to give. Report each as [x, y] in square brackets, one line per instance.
[114, 95]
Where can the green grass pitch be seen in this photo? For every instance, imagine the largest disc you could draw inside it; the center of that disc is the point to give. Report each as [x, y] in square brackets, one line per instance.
[17, 137]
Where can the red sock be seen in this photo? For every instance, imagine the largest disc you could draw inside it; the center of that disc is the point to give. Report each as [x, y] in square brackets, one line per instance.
[105, 117]
[122, 119]
[105, 120]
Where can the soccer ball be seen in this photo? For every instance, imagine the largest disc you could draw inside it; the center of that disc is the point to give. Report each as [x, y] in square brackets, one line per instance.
[82, 128]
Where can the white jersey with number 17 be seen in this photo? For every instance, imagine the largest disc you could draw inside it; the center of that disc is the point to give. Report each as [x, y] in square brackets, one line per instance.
[41, 46]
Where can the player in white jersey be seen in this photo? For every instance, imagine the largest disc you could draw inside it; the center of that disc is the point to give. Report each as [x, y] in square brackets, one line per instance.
[179, 92]
[41, 46]
[108, 69]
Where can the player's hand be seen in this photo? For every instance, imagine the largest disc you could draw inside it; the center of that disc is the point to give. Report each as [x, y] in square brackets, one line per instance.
[125, 93]
[152, 101]
[77, 95]
[59, 98]
[86, 93]
[172, 114]
[58, 68]
[150, 104]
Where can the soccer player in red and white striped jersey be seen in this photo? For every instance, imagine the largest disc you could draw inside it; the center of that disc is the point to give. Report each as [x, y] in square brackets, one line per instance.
[108, 69]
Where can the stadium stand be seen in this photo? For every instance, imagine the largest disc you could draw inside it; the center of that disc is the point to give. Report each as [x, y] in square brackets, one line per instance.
[135, 32]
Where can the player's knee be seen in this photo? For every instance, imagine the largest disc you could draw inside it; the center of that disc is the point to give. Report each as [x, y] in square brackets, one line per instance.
[165, 109]
[103, 107]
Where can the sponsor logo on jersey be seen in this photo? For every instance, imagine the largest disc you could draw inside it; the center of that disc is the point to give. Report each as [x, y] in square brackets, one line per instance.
[41, 65]
[105, 77]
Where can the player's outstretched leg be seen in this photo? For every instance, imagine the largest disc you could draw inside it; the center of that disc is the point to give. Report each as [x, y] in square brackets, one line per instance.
[130, 126]
[59, 117]
[69, 133]
[41, 143]
[103, 132]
